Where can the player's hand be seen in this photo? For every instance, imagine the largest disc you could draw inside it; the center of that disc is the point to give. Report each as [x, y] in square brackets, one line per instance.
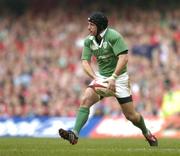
[111, 83]
[93, 81]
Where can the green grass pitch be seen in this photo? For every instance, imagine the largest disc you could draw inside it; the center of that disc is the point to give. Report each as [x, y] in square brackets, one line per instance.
[87, 147]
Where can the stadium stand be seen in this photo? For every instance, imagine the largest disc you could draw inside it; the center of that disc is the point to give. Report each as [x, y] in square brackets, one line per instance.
[40, 50]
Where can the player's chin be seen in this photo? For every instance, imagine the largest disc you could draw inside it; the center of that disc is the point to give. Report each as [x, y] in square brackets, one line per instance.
[92, 34]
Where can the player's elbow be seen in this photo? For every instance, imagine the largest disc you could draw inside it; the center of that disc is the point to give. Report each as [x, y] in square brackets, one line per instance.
[85, 63]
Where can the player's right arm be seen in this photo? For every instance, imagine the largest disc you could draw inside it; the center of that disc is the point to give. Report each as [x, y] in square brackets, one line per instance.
[86, 59]
[88, 69]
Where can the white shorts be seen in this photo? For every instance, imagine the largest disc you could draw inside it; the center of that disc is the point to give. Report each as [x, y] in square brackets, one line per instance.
[122, 85]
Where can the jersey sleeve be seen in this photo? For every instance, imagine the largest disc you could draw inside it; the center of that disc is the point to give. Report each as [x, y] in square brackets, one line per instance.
[86, 53]
[119, 45]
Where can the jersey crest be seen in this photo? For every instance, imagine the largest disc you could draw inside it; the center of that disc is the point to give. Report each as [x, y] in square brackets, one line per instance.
[105, 44]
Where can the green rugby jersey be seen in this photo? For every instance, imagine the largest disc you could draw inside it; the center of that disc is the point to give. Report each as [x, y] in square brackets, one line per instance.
[112, 44]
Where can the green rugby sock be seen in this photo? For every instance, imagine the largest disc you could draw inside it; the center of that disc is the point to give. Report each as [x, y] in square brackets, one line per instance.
[142, 126]
[81, 119]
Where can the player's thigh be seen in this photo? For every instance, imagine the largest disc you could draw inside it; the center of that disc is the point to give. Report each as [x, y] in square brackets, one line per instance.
[89, 97]
[130, 112]
[123, 86]
[128, 109]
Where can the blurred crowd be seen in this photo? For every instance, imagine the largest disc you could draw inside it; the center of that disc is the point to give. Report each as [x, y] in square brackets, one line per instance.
[40, 67]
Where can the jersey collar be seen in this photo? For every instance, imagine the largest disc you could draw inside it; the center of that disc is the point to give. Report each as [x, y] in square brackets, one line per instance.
[94, 41]
[103, 33]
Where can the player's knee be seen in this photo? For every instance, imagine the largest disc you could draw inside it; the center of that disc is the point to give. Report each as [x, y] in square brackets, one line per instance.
[84, 101]
[88, 99]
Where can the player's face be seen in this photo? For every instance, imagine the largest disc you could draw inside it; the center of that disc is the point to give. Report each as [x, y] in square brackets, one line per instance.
[92, 28]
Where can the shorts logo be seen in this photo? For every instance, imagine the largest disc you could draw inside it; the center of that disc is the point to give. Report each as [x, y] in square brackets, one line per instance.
[105, 45]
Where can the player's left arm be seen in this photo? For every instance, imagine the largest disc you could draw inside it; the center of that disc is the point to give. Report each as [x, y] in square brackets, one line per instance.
[120, 49]
[122, 61]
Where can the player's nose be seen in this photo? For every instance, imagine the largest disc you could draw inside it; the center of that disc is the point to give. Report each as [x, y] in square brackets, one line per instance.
[89, 27]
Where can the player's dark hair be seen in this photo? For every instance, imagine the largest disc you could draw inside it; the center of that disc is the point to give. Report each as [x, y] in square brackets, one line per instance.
[100, 20]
